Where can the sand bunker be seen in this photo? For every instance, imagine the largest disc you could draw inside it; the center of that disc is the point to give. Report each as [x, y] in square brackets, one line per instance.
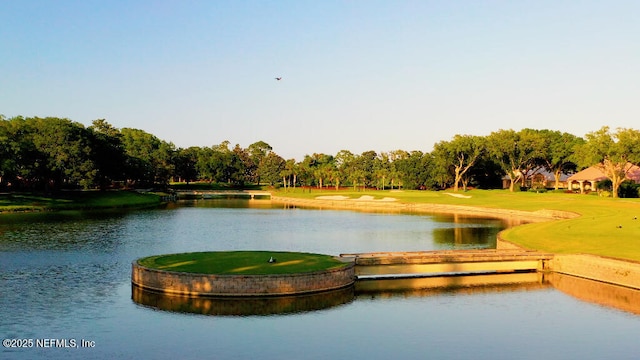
[361, 198]
[459, 195]
[332, 197]
[366, 198]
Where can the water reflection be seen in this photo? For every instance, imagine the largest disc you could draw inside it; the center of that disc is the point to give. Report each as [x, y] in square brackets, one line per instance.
[233, 203]
[64, 230]
[68, 275]
[603, 294]
[279, 305]
[434, 285]
[470, 231]
[379, 288]
[600, 293]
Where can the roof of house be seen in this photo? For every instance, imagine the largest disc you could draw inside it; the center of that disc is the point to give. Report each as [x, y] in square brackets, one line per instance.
[593, 173]
[549, 176]
[634, 173]
[590, 174]
[546, 174]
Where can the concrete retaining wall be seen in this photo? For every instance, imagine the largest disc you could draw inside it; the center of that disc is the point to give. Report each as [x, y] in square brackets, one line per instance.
[241, 285]
[618, 272]
[612, 271]
[502, 244]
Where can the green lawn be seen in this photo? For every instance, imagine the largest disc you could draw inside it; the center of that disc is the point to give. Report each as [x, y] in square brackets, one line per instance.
[242, 262]
[607, 226]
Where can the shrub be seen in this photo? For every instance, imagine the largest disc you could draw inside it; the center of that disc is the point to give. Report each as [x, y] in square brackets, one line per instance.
[629, 189]
[538, 190]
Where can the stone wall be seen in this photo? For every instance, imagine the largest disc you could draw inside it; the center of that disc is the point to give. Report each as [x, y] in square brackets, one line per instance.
[241, 285]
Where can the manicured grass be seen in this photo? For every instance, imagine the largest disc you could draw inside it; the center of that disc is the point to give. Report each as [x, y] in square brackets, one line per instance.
[606, 227]
[76, 200]
[242, 262]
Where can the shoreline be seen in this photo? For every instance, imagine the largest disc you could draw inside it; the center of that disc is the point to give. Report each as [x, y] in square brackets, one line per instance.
[616, 271]
[30, 203]
[426, 208]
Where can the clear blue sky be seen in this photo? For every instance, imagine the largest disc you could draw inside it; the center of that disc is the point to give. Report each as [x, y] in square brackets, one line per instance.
[357, 75]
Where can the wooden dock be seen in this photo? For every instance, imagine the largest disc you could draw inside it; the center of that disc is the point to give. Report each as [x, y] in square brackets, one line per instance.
[436, 263]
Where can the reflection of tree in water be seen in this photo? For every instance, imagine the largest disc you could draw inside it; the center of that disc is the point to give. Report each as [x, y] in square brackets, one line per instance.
[467, 237]
[59, 263]
[64, 231]
[465, 231]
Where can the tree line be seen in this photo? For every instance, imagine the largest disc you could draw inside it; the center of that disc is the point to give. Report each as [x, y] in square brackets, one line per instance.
[50, 154]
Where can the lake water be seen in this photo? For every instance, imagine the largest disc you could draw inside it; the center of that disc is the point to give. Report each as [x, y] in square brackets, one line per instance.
[66, 276]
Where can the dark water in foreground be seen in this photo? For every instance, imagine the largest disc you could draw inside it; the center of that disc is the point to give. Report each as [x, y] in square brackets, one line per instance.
[67, 277]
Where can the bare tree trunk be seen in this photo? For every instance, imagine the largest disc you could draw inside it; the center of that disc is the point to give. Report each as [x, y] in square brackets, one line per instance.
[556, 176]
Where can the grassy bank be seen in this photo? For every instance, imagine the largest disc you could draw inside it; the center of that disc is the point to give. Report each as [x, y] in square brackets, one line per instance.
[77, 200]
[242, 262]
[606, 227]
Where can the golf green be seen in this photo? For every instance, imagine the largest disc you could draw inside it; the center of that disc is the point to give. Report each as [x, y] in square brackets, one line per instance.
[243, 262]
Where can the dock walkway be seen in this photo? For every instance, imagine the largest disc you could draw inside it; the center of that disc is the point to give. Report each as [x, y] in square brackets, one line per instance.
[209, 194]
[426, 263]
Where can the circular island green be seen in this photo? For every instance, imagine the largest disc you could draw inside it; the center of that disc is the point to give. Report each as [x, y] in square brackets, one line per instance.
[242, 273]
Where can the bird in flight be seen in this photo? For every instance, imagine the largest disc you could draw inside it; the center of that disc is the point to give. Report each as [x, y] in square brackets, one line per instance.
[278, 78]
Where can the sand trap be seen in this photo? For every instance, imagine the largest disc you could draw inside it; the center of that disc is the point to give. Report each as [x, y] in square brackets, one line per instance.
[371, 198]
[332, 197]
[365, 198]
[459, 195]
[361, 198]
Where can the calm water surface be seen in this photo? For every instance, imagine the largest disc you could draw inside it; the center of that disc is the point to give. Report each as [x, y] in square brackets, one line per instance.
[67, 276]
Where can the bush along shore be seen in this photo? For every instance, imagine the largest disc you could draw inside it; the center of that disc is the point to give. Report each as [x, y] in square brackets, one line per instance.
[76, 200]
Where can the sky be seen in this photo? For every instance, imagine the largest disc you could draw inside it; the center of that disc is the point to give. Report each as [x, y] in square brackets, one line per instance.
[357, 75]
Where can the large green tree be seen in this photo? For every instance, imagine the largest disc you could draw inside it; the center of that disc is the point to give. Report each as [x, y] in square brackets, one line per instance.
[345, 166]
[515, 152]
[558, 152]
[186, 161]
[149, 159]
[108, 153]
[257, 151]
[415, 170]
[271, 168]
[458, 156]
[612, 152]
[65, 149]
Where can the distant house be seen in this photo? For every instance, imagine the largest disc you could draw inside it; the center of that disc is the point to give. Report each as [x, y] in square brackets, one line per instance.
[587, 179]
[540, 178]
[545, 179]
